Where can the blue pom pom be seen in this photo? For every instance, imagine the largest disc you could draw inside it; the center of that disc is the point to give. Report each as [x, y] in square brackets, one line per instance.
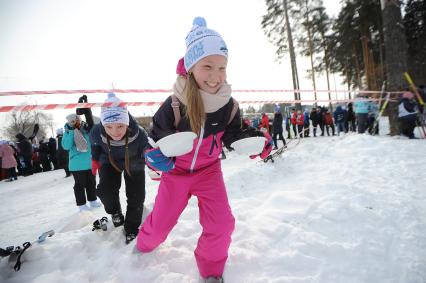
[199, 21]
[111, 94]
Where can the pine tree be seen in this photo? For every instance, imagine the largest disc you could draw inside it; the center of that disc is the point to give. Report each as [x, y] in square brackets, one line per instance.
[415, 32]
[395, 54]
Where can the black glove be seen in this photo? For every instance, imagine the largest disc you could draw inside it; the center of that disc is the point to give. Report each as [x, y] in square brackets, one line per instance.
[82, 111]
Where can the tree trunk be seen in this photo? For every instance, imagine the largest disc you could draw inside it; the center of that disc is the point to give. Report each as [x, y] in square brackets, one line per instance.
[395, 55]
[311, 49]
[292, 57]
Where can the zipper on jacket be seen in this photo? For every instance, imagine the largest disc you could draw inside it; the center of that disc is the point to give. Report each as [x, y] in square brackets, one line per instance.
[200, 141]
[214, 143]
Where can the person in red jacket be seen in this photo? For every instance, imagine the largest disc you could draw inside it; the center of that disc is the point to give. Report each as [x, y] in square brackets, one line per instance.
[298, 120]
[328, 121]
[265, 122]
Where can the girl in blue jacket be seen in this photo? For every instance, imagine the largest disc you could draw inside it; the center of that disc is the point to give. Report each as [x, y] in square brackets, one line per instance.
[76, 141]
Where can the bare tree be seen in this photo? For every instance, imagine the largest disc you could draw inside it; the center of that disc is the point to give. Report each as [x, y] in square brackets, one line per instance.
[23, 122]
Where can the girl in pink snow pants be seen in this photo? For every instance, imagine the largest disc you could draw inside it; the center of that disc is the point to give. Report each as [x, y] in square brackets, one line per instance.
[215, 216]
[201, 103]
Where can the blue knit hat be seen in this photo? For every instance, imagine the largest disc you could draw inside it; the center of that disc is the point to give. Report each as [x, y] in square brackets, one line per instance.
[202, 42]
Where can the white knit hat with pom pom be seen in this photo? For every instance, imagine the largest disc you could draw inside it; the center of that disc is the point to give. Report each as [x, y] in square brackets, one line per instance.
[202, 42]
[114, 114]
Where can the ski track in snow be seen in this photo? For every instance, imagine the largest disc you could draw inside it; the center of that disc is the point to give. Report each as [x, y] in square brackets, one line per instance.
[332, 209]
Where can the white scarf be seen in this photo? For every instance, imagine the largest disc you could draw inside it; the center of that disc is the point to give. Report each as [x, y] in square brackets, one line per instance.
[212, 102]
[80, 141]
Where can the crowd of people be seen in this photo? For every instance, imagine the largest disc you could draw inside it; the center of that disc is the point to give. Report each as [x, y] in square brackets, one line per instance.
[362, 116]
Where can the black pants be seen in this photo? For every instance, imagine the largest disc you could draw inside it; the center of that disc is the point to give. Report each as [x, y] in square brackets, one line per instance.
[407, 128]
[12, 173]
[28, 170]
[85, 184]
[362, 122]
[280, 136]
[109, 193]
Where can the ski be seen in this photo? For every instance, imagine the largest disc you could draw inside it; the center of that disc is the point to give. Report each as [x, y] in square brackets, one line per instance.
[15, 257]
[280, 151]
[382, 109]
[100, 224]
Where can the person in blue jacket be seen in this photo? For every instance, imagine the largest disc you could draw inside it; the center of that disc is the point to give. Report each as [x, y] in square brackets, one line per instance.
[362, 107]
[76, 141]
[339, 119]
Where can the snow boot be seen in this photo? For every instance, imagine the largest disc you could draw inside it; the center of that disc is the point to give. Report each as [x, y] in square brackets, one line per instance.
[129, 236]
[83, 208]
[117, 219]
[95, 204]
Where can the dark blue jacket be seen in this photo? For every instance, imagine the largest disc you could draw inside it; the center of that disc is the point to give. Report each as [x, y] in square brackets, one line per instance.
[339, 115]
[137, 141]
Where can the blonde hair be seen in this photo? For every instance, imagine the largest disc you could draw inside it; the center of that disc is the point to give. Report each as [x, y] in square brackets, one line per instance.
[194, 104]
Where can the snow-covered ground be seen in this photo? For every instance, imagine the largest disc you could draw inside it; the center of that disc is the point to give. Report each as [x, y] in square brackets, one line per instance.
[332, 209]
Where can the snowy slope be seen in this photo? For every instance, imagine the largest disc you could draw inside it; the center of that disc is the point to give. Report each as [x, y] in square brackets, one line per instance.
[332, 209]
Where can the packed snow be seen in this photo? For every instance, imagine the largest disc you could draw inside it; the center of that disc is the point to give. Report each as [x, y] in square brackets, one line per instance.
[349, 208]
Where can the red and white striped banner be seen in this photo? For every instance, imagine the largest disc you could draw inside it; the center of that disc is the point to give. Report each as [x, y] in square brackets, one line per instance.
[153, 103]
[86, 91]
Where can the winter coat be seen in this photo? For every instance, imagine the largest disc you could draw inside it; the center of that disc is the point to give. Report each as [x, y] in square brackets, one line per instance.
[52, 146]
[407, 109]
[328, 120]
[306, 118]
[351, 113]
[362, 106]
[137, 142]
[78, 160]
[207, 149]
[61, 154]
[24, 147]
[298, 119]
[265, 122]
[339, 115]
[315, 117]
[277, 125]
[7, 156]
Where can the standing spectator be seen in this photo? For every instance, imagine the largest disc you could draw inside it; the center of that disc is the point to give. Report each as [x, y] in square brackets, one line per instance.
[298, 118]
[52, 153]
[255, 122]
[351, 118]
[76, 141]
[43, 155]
[321, 112]
[293, 122]
[265, 123]
[362, 107]
[278, 127]
[328, 122]
[306, 123]
[8, 161]
[288, 124]
[372, 115]
[61, 153]
[25, 150]
[315, 118]
[339, 119]
[407, 114]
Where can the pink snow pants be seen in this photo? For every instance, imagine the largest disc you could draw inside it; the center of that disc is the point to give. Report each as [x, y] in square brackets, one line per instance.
[215, 216]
